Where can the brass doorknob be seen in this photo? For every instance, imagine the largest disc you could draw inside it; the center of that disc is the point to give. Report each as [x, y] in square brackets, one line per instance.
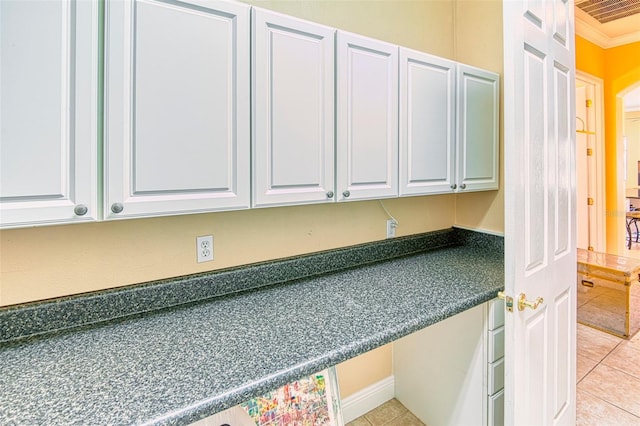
[524, 303]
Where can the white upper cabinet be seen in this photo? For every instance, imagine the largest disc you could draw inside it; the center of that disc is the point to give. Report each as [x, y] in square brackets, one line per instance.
[427, 123]
[367, 118]
[478, 132]
[177, 111]
[48, 112]
[293, 110]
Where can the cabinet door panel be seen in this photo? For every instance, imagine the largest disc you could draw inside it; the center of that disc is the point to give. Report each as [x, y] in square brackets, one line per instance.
[48, 111]
[478, 103]
[367, 111]
[178, 102]
[427, 123]
[293, 110]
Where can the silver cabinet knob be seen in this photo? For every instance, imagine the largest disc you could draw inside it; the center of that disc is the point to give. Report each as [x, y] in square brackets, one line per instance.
[330, 194]
[454, 186]
[463, 186]
[117, 207]
[80, 210]
[346, 194]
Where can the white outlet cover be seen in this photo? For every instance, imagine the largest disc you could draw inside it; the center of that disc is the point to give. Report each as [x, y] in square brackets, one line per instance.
[204, 248]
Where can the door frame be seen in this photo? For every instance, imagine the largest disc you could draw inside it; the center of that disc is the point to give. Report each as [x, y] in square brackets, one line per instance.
[598, 127]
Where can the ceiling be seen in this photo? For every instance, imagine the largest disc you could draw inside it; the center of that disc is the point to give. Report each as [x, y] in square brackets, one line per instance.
[608, 23]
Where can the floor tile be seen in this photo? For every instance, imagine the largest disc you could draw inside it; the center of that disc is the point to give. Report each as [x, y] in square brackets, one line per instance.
[360, 421]
[583, 366]
[406, 419]
[625, 357]
[386, 412]
[613, 386]
[595, 344]
[594, 411]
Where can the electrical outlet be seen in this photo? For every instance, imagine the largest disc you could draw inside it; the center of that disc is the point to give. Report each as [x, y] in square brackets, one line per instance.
[204, 248]
[391, 228]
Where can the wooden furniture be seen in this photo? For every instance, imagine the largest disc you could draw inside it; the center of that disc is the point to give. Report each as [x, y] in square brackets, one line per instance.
[607, 291]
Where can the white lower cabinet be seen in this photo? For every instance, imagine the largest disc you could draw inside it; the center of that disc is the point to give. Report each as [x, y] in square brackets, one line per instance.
[48, 112]
[293, 110]
[367, 118]
[177, 112]
[443, 373]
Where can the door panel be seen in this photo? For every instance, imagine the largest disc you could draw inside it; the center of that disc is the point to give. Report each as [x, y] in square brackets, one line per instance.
[48, 112]
[477, 115]
[367, 111]
[427, 123]
[293, 94]
[177, 107]
[540, 257]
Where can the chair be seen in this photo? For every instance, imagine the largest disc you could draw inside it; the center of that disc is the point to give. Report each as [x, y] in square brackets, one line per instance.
[632, 219]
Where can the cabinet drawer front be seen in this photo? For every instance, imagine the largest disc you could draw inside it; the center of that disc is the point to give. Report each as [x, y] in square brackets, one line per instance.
[496, 344]
[496, 314]
[496, 376]
[496, 409]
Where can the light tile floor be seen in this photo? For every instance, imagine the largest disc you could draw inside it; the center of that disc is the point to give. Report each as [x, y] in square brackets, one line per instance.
[608, 385]
[608, 375]
[391, 413]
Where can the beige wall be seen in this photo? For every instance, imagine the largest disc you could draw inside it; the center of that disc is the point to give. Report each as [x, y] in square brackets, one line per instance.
[46, 262]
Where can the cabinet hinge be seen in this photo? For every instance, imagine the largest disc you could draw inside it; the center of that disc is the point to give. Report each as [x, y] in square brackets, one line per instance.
[590, 201]
[589, 152]
[589, 103]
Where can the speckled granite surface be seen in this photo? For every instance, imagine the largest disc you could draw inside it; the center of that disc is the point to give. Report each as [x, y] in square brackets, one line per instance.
[180, 364]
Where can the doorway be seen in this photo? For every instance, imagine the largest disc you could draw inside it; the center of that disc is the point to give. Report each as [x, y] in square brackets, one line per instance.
[590, 193]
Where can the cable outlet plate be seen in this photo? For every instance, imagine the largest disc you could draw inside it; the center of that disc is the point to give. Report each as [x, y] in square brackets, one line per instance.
[204, 248]
[391, 228]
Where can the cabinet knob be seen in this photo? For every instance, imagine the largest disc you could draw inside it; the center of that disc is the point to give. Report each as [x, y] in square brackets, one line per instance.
[346, 194]
[80, 210]
[330, 194]
[463, 186]
[454, 186]
[117, 207]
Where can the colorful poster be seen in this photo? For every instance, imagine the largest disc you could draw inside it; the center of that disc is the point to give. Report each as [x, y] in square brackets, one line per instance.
[305, 402]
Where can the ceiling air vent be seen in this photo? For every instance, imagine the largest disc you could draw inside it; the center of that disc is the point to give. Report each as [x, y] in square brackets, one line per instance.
[609, 10]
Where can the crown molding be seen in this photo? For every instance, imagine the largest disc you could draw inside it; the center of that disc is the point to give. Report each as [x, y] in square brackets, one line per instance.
[586, 30]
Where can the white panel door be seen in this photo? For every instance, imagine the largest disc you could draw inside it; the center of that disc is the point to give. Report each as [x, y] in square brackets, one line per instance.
[478, 133]
[177, 118]
[367, 118]
[48, 112]
[427, 123]
[293, 107]
[540, 228]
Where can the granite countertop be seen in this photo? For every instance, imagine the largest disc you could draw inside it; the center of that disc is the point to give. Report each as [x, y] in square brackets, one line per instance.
[175, 365]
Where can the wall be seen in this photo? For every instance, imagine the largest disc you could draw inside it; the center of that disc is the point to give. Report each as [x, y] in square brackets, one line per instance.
[619, 68]
[47, 262]
[632, 132]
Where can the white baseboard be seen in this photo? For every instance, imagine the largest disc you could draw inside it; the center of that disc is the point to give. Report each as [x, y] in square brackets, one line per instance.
[367, 399]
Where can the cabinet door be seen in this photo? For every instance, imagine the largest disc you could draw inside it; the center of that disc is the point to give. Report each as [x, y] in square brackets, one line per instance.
[48, 112]
[293, 105]
[427, 123]
[477, 115]
[367, 114]
[177, 107]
